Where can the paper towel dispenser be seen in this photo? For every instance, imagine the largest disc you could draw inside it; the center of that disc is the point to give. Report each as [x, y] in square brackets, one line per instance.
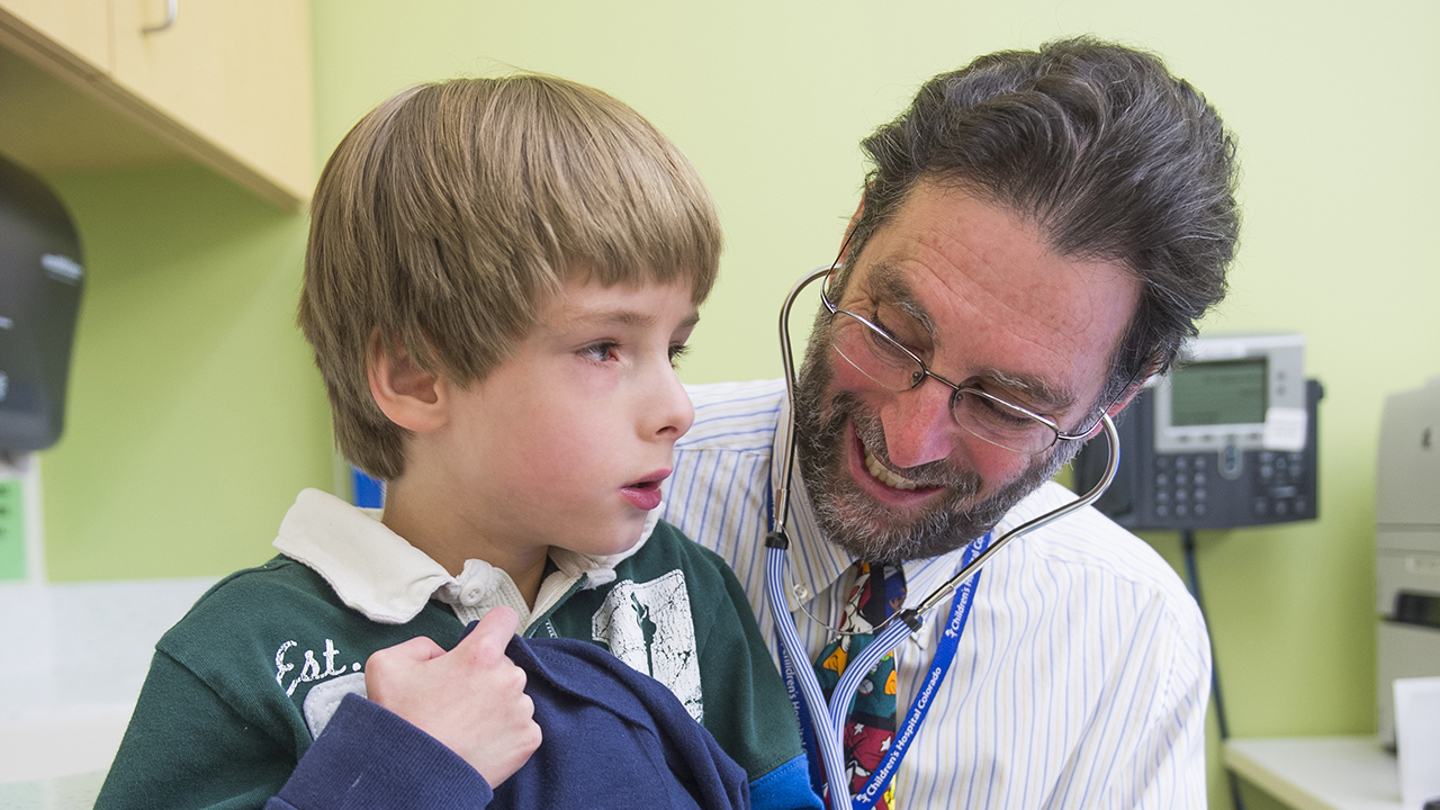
[41, 277]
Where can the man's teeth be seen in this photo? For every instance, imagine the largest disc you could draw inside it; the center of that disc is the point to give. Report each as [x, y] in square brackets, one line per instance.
[884, 475]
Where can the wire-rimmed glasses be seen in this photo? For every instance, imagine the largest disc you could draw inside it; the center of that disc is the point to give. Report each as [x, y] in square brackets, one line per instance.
[884, 359]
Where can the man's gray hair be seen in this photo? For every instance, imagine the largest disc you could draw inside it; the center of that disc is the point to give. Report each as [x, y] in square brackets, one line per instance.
[1112, 157]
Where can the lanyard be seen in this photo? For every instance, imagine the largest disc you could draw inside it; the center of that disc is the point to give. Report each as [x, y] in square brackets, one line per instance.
[939, 667]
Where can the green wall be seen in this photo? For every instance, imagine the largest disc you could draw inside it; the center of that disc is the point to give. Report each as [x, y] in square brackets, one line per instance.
[196, 416]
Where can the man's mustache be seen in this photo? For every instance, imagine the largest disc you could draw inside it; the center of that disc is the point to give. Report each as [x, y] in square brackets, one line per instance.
[940, 473]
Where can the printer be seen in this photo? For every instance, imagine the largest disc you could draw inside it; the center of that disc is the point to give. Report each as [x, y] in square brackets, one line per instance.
[1407, 544]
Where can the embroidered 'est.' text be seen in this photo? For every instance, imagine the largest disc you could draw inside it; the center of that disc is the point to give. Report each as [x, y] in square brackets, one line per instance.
[310, 670]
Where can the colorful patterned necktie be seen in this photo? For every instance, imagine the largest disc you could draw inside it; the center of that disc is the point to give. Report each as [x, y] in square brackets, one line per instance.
[879, 591]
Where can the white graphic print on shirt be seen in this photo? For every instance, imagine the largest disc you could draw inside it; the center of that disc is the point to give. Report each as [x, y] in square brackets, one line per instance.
[648, 625]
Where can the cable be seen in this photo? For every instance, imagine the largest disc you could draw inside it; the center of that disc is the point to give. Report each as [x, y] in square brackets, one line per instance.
[1192, 581]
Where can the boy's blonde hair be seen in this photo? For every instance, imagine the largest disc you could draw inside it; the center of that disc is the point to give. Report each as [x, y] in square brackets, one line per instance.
[452, 212]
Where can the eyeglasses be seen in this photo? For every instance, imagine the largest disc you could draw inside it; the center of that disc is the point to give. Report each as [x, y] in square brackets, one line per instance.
[885, 359]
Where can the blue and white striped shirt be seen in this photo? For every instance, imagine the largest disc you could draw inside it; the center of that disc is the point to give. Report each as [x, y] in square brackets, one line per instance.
[1083, 675]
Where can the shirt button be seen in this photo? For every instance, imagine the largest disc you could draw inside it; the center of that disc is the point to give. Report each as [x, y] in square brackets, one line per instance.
[800, 591]
[471, 596]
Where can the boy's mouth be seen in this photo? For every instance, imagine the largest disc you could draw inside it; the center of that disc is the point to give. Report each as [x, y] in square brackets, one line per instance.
[645, 494]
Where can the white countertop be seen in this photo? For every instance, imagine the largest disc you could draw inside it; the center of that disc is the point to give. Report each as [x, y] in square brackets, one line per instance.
[75, 657]
[1319, 773]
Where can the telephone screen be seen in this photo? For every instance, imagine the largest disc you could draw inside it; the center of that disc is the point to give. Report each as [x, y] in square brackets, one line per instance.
[1226, 392]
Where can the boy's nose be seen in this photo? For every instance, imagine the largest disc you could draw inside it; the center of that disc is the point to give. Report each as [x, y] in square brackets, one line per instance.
[918, 425]
[670, 413]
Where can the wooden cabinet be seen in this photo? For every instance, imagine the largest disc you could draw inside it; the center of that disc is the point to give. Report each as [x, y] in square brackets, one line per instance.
[88, 83]
[72, 31]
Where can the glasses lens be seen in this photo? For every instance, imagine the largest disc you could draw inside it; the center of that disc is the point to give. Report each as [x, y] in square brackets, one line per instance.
[890, 365]
[1002, 424]
[875, 354]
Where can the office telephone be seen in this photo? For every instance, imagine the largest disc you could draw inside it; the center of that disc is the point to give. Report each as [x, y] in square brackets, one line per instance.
[1226, 439]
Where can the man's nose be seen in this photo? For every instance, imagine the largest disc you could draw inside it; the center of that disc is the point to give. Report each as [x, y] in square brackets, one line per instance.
[919, 427]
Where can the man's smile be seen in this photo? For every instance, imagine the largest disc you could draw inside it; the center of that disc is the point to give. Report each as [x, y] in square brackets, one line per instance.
[882, 474]
[874, 473]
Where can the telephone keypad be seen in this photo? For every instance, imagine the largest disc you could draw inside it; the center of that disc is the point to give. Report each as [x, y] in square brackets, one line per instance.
[1182, 485]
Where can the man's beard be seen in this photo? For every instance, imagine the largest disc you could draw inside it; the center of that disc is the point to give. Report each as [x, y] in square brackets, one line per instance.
[850, 517]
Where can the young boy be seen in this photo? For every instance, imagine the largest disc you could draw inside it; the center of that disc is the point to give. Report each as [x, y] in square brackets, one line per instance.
[500, 275]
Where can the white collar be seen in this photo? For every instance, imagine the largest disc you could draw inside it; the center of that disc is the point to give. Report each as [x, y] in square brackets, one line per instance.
[378, 573]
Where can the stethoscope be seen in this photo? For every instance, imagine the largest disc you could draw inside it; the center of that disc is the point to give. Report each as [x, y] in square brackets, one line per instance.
[827, 719]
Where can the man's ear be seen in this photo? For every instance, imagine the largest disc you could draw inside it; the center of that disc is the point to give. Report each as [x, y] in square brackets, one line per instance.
[845, 244]
[850, 228]
[409, 396]
[1124, 399]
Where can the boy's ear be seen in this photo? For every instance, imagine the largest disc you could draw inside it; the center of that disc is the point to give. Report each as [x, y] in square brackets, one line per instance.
[409, 396]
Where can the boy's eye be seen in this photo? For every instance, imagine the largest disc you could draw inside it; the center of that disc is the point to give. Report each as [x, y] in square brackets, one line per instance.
[678, 351]
[600, 352]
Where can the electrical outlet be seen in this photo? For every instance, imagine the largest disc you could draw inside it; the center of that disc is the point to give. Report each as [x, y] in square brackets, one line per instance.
[12, 529]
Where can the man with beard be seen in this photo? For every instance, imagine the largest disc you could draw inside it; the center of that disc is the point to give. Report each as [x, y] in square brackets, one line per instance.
[1038, 235]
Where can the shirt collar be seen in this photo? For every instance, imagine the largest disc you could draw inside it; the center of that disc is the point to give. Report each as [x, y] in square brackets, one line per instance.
[375, 571]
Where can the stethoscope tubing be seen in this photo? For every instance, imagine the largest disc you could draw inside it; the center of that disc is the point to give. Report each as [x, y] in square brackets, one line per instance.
[827, 735]
[828, 718]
